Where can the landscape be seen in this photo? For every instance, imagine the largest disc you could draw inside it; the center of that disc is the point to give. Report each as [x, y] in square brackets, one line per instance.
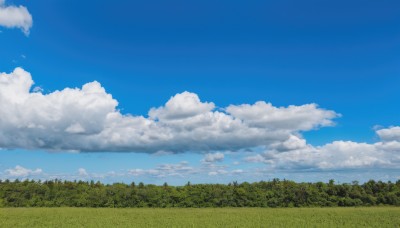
[199, 113]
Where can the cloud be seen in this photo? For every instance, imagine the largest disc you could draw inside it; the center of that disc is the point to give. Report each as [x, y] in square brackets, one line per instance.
[183, 169]
[216, 157]
[292, 143]
[87, 119]
[181, 106]
[389, 134]
[292, 118]
[136, 172]
[237, 171]
[258, 158]
[215, 170]
[337, 155]
[82, 172]
[164, 170]
[218, 172]
[15, 17]
[20, 171]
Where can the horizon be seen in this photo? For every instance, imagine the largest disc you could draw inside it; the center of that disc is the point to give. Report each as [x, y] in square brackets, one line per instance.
[190, 183]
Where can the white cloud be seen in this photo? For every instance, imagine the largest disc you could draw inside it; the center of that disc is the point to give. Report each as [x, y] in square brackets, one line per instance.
[87, 119]
[164, 170]
[215, 157]
[20, 171]
[218, 172]
[136, 172]
[337, 155]
[237, 171]
[389, 134]
[181, 106]
[82, 172]
[15, 17]
[292, 118]
[292, 143]
[255, 158]
[183, 169]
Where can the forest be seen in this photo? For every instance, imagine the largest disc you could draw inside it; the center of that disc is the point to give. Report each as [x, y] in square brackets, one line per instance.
[274, 193]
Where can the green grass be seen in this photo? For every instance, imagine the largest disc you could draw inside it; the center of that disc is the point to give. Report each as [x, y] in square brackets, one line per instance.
[219, 217]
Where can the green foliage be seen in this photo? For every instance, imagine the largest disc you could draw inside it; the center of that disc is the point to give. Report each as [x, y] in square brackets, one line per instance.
[275, 193]
[203, 217]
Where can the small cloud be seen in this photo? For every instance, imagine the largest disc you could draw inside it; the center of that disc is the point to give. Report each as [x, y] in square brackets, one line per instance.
[218, 172]
[20, 171]
[15, 17]
[162, 153]
[216, 157]
[82, 172]
[255, 158]
[237, 171]
[136, 172]
[164, 170]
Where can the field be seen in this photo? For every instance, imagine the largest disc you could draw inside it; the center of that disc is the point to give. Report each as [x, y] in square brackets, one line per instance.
[220, 217]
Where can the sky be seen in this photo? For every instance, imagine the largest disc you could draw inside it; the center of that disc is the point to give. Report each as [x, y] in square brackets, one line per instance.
[206, 91]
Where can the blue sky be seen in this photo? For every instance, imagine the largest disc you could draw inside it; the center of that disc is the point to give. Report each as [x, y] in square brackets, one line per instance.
[341, 55]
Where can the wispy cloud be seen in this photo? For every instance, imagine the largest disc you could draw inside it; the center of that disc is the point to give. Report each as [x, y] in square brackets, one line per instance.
[21, 172]
[165, 170]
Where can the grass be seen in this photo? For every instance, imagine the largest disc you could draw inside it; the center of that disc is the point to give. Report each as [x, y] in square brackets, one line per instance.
[218, 217]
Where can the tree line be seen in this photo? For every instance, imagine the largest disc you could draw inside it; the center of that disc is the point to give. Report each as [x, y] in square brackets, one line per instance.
[274, 193]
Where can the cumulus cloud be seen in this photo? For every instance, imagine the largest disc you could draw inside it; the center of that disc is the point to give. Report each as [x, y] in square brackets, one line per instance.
[337, 155]
[181, 106]
[292, 143]
[292, 118]
[20, 171]
[87, 119]
[215, 157]
[15, 17]
[389, 134]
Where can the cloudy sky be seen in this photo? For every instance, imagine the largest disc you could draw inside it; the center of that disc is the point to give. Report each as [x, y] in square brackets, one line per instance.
[206, 92]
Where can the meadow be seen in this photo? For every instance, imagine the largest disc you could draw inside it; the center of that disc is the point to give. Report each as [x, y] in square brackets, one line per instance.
[203, 217]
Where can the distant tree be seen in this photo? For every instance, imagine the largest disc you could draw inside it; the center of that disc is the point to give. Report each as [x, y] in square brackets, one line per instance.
[275, 193]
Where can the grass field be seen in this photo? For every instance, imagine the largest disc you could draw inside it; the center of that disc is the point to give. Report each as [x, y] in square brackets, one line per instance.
[224, 217]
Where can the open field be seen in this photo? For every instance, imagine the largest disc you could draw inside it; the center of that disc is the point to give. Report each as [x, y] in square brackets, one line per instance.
[218, 217]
